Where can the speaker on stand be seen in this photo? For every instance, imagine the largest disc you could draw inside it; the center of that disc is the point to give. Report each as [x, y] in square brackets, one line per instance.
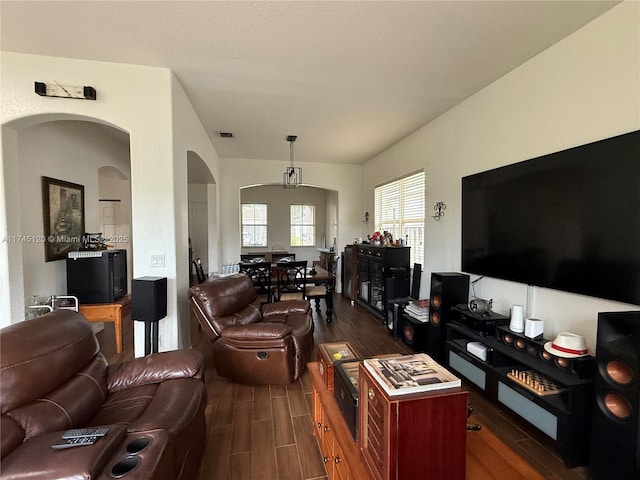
[615, 436]
[447, 290]
[149, 305]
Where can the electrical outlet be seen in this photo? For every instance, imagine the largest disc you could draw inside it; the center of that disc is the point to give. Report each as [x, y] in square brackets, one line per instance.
[157, 260]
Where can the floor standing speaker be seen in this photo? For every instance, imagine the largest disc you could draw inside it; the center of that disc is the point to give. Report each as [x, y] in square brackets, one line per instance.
[447, 290]
[149, 305]
[615, 439]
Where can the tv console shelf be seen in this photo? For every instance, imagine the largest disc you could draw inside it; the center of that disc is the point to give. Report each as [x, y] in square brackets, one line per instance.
[564, 417]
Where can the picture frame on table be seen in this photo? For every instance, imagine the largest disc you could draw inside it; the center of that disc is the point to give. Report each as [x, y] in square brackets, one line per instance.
[63, 216]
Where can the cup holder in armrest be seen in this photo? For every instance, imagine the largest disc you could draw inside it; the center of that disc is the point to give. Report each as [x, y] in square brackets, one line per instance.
[125, 466]
[137, 445]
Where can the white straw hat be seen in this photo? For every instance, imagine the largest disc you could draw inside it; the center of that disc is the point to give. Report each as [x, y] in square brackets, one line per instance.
[567, 345]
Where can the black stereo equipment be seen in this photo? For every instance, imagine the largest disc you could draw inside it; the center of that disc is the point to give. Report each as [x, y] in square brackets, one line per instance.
[97, 276]
[482, 323]
[399, 273]
[395, 308]
[615, 440]
[447, 291]
[397, 288]
[580, 367]
[149, 305]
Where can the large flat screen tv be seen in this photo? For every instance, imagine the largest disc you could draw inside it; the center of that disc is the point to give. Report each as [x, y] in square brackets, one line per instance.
[568, 221]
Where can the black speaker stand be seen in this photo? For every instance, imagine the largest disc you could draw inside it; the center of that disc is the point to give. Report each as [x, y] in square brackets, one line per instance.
[150, 337]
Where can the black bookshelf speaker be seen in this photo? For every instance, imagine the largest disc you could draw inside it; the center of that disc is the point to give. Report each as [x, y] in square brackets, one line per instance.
[615, 438]
[447, 290]
[148, 299]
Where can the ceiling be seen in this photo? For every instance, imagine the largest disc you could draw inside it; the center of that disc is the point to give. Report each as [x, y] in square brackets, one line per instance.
[349, 78]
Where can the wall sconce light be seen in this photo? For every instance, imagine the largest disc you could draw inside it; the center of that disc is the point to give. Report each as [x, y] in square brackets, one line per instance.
[439, 207]
[366, 217]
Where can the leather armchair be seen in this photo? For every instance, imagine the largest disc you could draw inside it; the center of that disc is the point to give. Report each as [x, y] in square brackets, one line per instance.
[55, 378]
[253, 343]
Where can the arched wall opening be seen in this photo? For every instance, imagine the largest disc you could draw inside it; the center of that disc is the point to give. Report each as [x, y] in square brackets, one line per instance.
[203, 224]
[278, 201]
[71, 148]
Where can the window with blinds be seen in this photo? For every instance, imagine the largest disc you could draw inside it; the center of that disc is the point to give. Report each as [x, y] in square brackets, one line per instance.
[399, 209]
[254, 225]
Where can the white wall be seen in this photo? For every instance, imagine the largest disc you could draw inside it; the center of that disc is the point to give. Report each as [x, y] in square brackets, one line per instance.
[150, 105]
[583, 89]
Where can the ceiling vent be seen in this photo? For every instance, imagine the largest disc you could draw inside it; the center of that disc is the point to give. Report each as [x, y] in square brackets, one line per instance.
[225, 134]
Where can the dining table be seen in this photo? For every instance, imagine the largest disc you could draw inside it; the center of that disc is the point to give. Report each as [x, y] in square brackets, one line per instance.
[317, 275]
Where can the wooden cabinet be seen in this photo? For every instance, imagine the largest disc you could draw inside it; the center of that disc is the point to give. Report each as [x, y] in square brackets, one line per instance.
[341, 456]
[378, 267]
[328, 354]
[420, 435]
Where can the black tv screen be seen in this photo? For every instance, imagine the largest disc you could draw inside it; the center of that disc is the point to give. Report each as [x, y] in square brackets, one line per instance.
[568, 220]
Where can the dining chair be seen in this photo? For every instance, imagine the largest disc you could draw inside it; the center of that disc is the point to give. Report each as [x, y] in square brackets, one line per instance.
[260, 275]
[317, 291]
[252, 257]
[291, 280]
[283, 257]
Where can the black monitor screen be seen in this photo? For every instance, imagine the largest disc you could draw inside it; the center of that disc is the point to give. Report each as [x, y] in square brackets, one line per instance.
[568, 220]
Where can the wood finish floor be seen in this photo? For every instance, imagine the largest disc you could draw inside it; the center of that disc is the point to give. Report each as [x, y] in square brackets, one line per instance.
[264, 432]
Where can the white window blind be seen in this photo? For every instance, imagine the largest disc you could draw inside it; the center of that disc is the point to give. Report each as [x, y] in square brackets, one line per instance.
[399, 209]
[254, 225]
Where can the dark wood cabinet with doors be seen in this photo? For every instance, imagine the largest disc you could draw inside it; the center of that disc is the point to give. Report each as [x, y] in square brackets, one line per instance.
[379, 267]
[350, 272]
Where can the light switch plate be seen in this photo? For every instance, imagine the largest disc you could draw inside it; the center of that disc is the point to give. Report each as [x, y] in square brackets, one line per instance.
[157, 260]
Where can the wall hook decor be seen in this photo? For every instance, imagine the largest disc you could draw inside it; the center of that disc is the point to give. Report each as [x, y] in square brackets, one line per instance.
[366, 217]
[439, 207]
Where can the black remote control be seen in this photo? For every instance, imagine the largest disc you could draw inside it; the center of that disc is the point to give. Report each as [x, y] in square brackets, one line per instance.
[85, 432]
[75, 442]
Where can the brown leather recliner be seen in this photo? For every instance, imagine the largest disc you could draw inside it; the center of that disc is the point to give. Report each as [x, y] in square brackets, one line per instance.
[253, 343]
[54, 378]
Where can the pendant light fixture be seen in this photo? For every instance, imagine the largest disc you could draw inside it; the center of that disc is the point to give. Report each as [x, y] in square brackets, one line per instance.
[292, 176]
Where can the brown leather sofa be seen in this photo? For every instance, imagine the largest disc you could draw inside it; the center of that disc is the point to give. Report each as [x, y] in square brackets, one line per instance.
[253, 343]
[53, 378]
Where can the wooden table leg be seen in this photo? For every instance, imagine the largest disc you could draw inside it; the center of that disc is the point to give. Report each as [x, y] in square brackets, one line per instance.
[117, 326]
[109, 312]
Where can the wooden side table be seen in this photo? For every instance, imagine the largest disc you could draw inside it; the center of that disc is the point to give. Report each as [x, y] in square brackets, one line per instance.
[109, 312]
[328, 354]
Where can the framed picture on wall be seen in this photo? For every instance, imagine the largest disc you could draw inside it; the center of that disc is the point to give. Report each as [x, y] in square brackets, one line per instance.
[63, 215]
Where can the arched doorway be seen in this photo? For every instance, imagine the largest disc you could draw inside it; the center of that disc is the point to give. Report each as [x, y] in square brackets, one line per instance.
[65, 147]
